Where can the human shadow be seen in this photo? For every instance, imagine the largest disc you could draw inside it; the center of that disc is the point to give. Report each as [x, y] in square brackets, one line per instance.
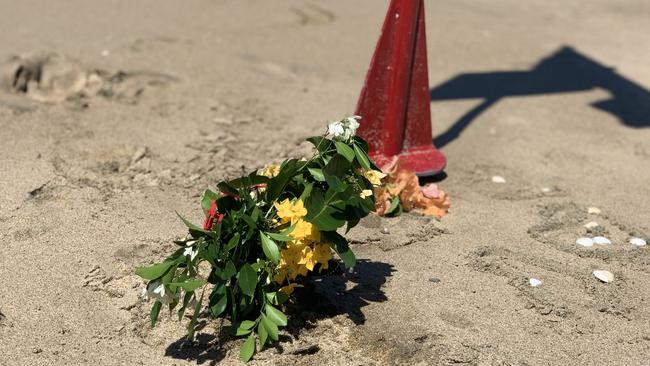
[323, 296]
[564, 71]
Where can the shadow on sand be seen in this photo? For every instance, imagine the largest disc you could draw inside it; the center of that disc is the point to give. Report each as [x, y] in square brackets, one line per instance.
[566, 70]
[336, 292]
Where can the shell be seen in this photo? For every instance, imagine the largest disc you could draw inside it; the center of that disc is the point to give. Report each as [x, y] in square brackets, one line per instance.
[593, 210]
[585, 242]
[535, 282]
[638, 242]
[601, 240]
[498, 179]
[591, 225]
[605, 276]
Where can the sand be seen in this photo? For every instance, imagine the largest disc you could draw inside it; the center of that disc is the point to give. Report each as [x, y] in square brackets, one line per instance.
[142, 105]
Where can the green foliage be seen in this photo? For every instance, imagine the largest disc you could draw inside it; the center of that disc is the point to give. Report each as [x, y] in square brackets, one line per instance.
[244, 244]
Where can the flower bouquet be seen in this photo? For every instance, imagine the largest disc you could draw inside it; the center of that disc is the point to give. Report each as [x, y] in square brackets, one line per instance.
[263, 234]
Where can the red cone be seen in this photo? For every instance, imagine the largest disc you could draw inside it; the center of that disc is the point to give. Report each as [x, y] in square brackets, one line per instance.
[394, 101]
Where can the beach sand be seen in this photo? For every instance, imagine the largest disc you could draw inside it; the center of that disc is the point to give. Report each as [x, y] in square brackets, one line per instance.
[142, 105]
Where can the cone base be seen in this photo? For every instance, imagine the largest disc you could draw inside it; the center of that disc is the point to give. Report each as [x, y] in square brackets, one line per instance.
[423, 161]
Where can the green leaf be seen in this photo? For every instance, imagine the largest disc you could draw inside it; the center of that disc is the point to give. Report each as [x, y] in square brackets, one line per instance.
[270, 248]
[338, 166]
[277, 184]
[276, 316]
[155, 271]
[232, 242]
[362, 157]
[247, 279]
[195, 230]
[218, 300]
[186, 300]
[249, 220]
[191, 326]
[245, 327]
[321, 214]
[335, 183]
[341, 247]
[307, 191]
[317, 174]
[247, 349]
[279, 237]
[189, 285]
[256, 213]
[281, 298]
[271, 327]
[247, 324]
[155, 310]
[228, 271]
[228, 189]
[321, 143]
[262, 333]
[344, 150]
[394, 204]
[208, 197]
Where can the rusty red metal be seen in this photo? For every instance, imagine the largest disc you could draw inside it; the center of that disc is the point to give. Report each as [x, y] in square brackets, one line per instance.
[394, 101]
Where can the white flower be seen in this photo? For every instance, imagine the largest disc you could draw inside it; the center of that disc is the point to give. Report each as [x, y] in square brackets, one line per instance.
[190, 252]
[156, 290]
[344, 129]
[352, 123]
[335, 129]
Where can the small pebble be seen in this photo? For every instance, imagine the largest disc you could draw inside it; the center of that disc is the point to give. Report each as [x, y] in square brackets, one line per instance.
[535, 282]
[498, 179]
[638, 242]
[106, 53]
[591, 225]
[547, 189]
[601, 240]
[605, 276]
[385, 231]
[585, 242]
[434, 279]
[593, 210]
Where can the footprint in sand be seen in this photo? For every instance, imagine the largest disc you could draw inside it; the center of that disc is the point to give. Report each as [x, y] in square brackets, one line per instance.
[311, 14]
[54, 78]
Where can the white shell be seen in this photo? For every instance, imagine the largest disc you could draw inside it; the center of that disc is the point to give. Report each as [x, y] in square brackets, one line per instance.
[591, 225]
[498, 179]
[605, 276]
[638, 242]
[601, 240]
[535, 282]
[547, 189]
[593, 210]
[585, 242]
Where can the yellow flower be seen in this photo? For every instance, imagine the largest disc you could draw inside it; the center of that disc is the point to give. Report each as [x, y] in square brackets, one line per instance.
[289, 288]
[308, 258]
[299, 209]
[322, 253]
[365, 193]
[305, 230]
[374, 176]
[271, 170]
[290, 212]
[284, 210]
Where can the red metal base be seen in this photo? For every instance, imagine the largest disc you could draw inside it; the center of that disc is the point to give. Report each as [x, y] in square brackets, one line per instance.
[425, 161]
